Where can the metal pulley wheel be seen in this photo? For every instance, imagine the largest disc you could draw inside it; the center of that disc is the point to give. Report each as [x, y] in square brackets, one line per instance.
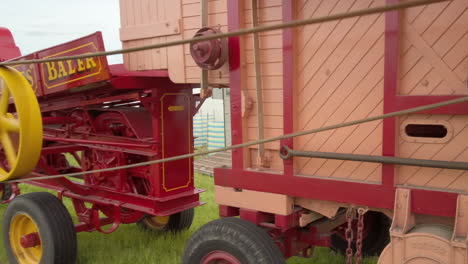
[209, 54]
[20, 132]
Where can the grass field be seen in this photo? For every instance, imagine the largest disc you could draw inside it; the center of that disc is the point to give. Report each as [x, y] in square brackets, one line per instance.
[130, 244]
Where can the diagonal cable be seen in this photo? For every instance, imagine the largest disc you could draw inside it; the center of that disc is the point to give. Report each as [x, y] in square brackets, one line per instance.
[251, 143]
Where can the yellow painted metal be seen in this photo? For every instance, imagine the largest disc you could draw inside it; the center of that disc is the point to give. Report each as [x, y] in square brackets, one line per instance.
[21, 132]
[21, 225]
[157, 222]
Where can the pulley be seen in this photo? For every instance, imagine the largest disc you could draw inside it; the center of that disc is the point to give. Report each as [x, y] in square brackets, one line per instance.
[209, 54]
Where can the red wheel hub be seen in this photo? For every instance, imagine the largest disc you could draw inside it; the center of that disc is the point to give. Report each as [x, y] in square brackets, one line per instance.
[219, 257]
[30, 240]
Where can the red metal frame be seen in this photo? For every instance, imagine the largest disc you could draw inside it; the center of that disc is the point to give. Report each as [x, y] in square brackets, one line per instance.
[288, 85]
[390, 90]
[235, 79]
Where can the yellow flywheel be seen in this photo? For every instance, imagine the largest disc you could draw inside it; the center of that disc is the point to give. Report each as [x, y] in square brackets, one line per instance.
[25, 240]
[21, 131]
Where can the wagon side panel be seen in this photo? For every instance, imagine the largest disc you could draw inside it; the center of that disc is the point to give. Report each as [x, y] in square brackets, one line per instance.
[339, 78]
[434, 62]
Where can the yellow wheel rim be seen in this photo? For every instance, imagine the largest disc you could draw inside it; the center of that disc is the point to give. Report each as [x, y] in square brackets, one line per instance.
[20, 133]
[22, 225]
[157, 222]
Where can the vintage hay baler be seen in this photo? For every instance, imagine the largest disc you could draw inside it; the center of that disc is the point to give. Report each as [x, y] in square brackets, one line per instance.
[83, 115]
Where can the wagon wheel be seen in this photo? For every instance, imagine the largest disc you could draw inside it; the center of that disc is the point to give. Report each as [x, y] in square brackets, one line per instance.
[8, 191]
[20, 133]
[38, 229]
[231, 241]
[175, 222]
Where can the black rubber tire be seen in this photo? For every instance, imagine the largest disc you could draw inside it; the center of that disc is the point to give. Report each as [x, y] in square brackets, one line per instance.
[177, 222]
[56, 229]
[6, 192]
[248, 243]
[376, 240]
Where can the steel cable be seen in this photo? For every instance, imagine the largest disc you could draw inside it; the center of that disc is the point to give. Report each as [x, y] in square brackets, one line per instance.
[296, 23]
[251, 143]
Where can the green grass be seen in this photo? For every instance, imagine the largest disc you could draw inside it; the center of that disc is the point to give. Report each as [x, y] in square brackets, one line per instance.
[130, 244]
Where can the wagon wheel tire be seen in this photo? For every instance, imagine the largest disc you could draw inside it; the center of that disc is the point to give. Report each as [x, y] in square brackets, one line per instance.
[6, 191]
[378, 237]
[174, 223]
[37, 228]
[231, 241]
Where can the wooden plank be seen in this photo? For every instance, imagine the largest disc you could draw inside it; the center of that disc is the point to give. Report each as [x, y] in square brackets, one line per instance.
[364, 94]
[460, 183]
[358, 42]
[350, 72]
[414, 76]
[267, 69]
[359, 134]
[373, 140]
[262, 4]
[462, 71]
[266, 55]
[427, 84]
[315, 52]
[266, 42]
[308, 31]
[459, 52]
[412, 35]
[443, 22]
[368, 169]
[269, 82]
[269, 96]
[268, 121]
[452, 35]
[428, 15]
[371, 102]
[265, 14]
[150, 30]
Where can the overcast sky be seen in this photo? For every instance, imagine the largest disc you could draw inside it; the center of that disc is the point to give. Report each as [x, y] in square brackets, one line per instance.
[39, 24]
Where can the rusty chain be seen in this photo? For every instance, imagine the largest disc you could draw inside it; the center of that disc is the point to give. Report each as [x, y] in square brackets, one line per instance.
[360, 229]
[349, 235]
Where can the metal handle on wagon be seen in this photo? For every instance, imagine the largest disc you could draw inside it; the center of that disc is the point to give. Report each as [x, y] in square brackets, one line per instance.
[287, 153]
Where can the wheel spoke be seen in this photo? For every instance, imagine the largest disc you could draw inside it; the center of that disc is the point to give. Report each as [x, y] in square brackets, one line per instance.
[4, 100]
[8, 148]
[9, 124]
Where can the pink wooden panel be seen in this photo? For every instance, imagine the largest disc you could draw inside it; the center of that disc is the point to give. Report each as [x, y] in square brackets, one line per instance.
[145, 22]
[435, 64]
[271, 61]
[339, 78]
